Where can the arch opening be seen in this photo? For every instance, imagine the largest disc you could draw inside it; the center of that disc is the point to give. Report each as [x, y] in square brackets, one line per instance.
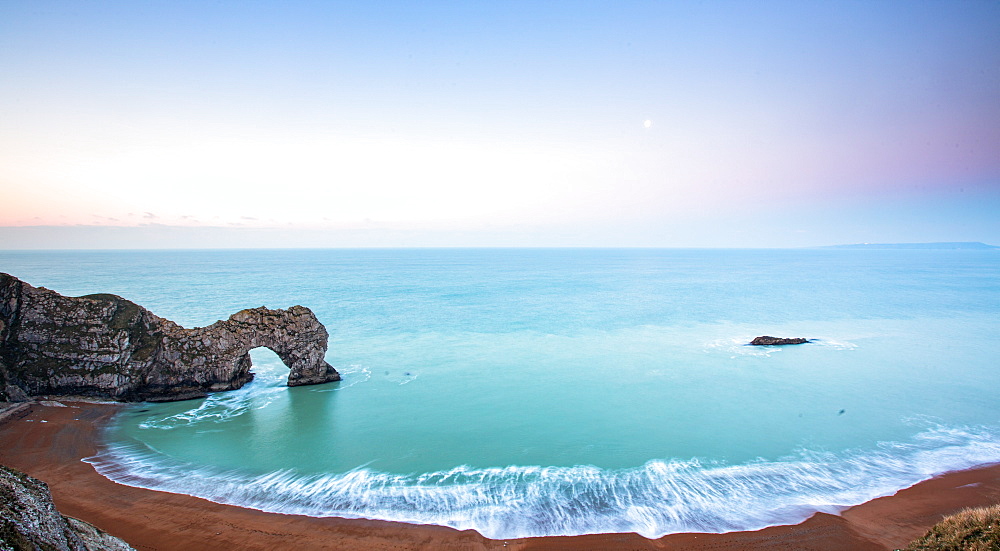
[266, 366]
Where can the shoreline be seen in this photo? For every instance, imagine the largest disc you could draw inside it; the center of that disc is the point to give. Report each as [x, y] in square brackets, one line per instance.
[48, 442]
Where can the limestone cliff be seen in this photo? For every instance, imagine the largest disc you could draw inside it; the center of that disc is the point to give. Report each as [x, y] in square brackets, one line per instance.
[108, 347]
[29, 520]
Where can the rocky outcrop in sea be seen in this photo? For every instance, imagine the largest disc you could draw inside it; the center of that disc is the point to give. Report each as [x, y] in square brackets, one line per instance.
[767, 340]
[105, 346]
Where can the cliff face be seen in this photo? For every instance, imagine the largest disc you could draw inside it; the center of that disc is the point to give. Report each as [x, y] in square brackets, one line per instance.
[108, 347]
[29, 520]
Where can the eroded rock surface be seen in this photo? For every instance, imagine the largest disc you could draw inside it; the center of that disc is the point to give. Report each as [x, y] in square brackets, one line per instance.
[773, 341]
[108, 347]
[29, 520]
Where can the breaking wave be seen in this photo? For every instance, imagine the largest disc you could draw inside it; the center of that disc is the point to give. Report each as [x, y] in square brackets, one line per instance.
[658, 498]
[267, 386]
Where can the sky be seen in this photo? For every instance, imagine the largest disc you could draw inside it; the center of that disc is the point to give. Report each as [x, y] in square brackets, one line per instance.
[505, 123]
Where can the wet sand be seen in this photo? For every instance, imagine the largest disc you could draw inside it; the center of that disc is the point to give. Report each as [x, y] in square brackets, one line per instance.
[48, 442]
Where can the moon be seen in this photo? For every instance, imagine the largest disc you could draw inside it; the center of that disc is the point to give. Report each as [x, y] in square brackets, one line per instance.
[647, 123]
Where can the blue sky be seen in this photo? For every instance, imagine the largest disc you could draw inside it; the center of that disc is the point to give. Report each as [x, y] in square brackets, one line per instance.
[721, 124]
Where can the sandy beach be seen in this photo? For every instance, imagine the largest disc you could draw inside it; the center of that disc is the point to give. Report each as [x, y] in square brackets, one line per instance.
[48, 442]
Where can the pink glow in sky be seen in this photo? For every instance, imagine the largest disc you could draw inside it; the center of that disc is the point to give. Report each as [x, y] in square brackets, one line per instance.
[166, 124]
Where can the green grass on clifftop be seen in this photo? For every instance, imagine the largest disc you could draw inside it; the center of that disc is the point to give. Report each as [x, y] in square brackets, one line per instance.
[968, 530]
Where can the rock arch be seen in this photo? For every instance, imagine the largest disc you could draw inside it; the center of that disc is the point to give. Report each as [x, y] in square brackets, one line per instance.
[109, 347]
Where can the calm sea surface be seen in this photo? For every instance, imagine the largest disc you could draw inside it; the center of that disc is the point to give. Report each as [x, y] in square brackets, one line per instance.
[534, 392]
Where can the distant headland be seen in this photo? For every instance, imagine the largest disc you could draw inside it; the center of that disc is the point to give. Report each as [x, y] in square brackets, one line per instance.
[938, 245]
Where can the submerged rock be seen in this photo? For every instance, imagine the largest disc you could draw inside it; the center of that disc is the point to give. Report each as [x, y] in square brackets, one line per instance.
[105, 346]
[29, 520]
[772, 341]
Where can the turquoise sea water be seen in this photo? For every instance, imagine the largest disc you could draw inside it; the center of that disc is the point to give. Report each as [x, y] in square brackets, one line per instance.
[537, 392]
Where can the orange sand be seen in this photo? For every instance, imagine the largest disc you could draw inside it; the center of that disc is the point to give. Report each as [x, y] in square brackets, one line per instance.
[151, 520]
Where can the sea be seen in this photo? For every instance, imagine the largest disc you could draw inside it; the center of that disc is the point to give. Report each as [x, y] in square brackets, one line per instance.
[538, 392]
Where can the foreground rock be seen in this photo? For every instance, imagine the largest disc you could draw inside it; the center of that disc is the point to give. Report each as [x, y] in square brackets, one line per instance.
[772, 341]
[29, 520]
[104, 346]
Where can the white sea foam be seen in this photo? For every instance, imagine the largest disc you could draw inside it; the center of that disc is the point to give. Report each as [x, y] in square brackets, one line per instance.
[737, 347]
[660, 497]
[834, 343]
[216, 408]
[222, 406]
[349, 376]
[267, 385]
